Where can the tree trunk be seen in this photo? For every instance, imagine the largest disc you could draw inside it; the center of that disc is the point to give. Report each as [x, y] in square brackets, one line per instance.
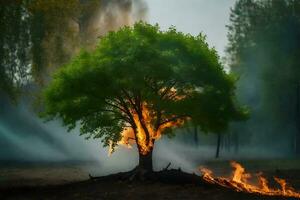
[236, 142]
[297, 121]
[196, 135]
[218, 146]
[145, 162]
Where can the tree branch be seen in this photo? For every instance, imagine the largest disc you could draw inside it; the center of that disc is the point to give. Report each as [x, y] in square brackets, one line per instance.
[167, 90]
[115, 106]
[173, 119]
[129, 98]
[127, 112]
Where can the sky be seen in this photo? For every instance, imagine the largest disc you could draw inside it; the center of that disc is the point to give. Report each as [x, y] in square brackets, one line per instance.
[194, 16]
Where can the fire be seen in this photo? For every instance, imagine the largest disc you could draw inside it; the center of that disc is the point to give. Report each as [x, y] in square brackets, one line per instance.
[145, 144]
[146, 129]
[239, 181]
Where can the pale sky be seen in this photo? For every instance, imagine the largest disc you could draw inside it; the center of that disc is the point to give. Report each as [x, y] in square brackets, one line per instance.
[194, 16]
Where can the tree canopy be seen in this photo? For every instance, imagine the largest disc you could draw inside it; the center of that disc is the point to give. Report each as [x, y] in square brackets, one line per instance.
[146, 80]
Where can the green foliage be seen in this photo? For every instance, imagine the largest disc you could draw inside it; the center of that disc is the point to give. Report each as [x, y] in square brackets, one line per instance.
[138, 65]
[264, 51]
[37, 35]
[56, 28]
[14, 47]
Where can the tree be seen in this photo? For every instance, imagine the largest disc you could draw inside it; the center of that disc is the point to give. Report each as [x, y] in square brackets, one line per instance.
[34, 34]
[264, 46]
[141, 83]
[58, 29]
[14, 47]
[37, 36]
[219, 136]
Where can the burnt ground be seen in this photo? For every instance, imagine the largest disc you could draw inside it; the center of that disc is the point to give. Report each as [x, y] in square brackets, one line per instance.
[124, 190]
[52, 182]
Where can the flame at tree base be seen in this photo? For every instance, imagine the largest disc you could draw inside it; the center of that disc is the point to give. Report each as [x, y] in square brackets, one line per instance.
[240, 182]
[145, 135]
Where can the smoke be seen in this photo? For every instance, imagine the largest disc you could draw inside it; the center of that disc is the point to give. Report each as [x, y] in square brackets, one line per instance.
[272, 94]
[67, 34]
[25, 137]
[113, 14]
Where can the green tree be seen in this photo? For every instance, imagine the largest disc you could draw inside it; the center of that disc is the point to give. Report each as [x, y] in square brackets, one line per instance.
[37, 36]
[264, 50]
[58, 29]
[31, 31]
[139, 83]
[14, 47]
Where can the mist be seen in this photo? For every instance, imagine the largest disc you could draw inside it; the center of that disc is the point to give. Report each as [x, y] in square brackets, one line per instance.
[27, 138]
[24, 137]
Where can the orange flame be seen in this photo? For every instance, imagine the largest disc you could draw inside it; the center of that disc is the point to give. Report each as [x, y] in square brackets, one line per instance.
[145, 145]
[240, 182]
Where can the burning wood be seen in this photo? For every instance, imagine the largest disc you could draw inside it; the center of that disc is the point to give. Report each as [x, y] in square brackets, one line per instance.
[239, 181]
[145, 140]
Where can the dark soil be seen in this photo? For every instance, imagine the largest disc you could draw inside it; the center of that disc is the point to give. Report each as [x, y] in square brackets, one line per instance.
[167, 184]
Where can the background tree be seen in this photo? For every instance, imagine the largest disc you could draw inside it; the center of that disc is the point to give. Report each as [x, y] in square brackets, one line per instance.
[59, 29]
[14, 47]
[264, 48]
[140, 83]
[35, 35]
[38, 36]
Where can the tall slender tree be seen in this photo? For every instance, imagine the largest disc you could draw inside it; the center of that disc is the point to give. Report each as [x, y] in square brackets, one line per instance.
[14, 47]
[264, 48]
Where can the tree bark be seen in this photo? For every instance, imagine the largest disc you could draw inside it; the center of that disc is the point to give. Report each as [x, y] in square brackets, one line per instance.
[218, 146]
[145, 162]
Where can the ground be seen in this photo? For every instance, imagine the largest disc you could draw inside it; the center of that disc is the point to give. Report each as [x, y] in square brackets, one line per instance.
[70, 181]
[125, 190]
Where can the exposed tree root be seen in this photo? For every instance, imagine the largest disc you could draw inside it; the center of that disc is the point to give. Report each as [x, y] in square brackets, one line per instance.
[172, 176]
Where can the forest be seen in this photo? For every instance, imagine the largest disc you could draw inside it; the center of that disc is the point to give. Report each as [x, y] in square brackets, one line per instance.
[157, 112]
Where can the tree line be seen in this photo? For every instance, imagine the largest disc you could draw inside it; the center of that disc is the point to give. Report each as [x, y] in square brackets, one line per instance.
[263, 51]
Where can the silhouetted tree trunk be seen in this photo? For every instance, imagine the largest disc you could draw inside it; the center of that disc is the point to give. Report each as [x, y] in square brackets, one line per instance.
[145, 162]
[297, 119]
[236, 142]
[196, 139]
[218, 146]
[229, 142]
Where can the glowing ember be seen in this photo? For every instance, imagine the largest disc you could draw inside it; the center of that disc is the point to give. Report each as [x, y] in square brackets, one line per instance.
[240, 182]
[145, 140]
